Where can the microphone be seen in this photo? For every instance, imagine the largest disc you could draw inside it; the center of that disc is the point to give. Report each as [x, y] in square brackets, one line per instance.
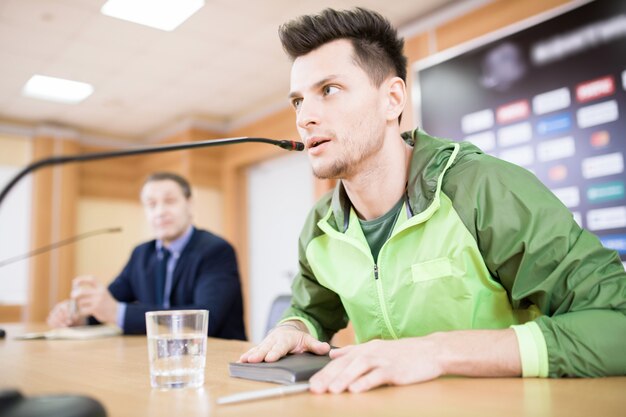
[58, 244]
[58, 160]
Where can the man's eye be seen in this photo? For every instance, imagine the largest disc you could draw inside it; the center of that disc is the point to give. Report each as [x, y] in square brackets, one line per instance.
[296, 102]
[330, 89]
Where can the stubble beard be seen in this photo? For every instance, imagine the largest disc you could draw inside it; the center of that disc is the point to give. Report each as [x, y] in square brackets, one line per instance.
[347, 165]
[335, 171]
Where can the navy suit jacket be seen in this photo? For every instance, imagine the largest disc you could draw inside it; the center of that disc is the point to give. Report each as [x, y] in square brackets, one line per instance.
[205, 277]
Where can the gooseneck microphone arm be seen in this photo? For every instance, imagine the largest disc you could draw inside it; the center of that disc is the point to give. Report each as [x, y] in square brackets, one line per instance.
[55, 245]
[58, 160]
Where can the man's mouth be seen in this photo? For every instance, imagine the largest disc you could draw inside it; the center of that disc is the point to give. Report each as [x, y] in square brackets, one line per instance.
[314, 142]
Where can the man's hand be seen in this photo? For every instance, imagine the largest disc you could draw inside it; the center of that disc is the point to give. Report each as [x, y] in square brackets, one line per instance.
[93, 299]
[288, 337]
[480, 353]
[359, 368]
[62, 316]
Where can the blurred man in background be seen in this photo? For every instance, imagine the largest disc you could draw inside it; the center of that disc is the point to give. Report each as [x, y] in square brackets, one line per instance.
[183, 268]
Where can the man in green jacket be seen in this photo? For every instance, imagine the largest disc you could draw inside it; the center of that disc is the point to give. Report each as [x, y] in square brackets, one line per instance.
[447, 261]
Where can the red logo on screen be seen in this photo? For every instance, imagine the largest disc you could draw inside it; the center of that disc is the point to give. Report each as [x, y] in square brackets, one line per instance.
[600, 139]
[592, 90]
[511, 112]
[557, 173]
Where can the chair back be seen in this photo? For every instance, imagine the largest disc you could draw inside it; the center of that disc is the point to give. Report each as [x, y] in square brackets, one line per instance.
[279, 305]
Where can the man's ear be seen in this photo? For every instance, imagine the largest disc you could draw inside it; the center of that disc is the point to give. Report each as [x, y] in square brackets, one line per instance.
[190, 206]
[396, 97]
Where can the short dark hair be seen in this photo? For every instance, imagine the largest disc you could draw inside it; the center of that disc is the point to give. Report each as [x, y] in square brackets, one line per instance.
[162, 176]
[378, 49]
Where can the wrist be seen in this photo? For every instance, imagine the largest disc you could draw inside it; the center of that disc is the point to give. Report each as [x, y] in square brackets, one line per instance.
[477, 353]
[293, 324]
[439, 352]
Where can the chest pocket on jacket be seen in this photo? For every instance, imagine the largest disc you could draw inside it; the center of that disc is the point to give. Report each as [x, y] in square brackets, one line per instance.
[441, 295]
[433, 269]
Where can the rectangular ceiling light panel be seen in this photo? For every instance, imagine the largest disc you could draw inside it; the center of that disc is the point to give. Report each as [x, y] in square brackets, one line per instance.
[160, 14]
[56, 89]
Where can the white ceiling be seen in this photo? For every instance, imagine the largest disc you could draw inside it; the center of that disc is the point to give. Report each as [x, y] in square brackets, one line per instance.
[221, 66]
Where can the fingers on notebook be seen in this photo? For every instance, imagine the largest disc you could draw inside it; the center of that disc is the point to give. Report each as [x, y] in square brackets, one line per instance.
[281, 342]
[315, 346]
[60, 316]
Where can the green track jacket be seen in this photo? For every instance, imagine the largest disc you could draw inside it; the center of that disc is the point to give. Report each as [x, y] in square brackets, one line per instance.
[479, 244]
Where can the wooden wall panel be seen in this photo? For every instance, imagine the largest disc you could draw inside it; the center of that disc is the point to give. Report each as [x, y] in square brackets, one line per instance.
[55, 196]
[416, 47]
[11, 313]
[66, 224]
[41, 235]
[489, 18]
[114, 178]
[279, 125]
[205, 170]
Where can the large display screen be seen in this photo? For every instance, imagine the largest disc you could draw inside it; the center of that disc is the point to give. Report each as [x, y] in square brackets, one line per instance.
[551, 98]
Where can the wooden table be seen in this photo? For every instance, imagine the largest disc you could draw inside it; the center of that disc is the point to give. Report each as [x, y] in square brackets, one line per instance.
[115, 371]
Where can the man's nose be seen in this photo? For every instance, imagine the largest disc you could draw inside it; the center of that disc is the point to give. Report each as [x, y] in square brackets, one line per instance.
[308, 114]
[159, 208]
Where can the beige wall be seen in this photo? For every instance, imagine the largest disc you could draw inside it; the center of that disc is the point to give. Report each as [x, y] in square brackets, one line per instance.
[207, 209]
[15, 150]
[105, 255]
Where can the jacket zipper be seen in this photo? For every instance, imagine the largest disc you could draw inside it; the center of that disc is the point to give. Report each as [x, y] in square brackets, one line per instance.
[382, 303]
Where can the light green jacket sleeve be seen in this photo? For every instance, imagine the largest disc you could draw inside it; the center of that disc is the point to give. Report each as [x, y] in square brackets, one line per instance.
[313, 304]
[532, 245]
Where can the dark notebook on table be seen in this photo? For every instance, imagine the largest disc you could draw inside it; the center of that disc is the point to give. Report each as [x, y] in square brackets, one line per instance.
[287, 370]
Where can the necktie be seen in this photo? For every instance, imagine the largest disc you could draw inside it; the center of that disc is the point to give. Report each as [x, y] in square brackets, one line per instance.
[161, 273]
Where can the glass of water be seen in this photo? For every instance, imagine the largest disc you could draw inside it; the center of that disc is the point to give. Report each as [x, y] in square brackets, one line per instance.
[177, 347]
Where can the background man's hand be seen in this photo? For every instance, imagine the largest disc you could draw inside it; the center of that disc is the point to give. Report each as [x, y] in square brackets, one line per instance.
[93, 299]
[288, 337]
[63, 316]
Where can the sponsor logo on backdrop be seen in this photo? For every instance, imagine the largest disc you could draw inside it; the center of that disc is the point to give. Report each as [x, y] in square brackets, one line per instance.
[512, 112]
[554, 124]
[484, 140]
[570, 196]
[600, 139]
[606, 218]
[515, 134]
[597, 114]
[522, 155]
[475, 122]
[603, 165]
[595, 89]
[551, 101]
[608, 191]
[578, 40]
[556, 149]
[615, 242]
[557, 173]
